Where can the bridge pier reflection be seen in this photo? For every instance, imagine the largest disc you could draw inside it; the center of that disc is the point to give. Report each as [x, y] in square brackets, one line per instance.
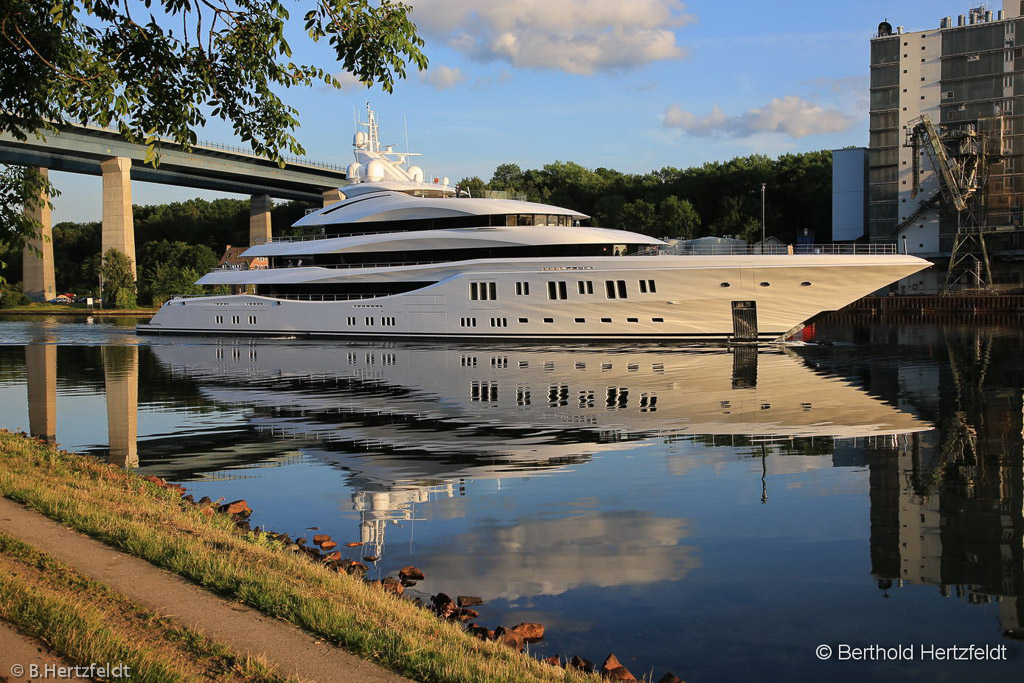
[41, 379]
[121, 377]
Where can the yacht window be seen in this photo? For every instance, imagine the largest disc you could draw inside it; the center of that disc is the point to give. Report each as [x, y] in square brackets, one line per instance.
[657, 320]
[522, 288]
[524, 219]
[615, 289]
[483, 291]
[580, 320]
[549, 320]
[510, 220]
[369, 321]
[234, 320]
[585, 286]
[351, 320]
[557, 290]
[606, 320]
[492, 291]
[632, 320]
[647, 286]
[524, 320]
[473, 293]
[220, 320]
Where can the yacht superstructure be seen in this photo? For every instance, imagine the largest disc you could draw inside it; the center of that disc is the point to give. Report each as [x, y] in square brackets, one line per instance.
[402, 258]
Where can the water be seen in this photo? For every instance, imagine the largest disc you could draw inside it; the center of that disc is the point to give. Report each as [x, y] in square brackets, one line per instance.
[715, 514]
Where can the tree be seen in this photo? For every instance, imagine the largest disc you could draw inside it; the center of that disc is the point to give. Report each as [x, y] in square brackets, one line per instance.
[93, 61]
[639, 216]
[474, 186]
[678, 218]
[507, 177]
[118, 280]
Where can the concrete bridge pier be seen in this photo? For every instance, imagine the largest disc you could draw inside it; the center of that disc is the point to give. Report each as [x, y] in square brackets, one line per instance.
[38, 280]
[259, 219]
[331, 197]
[118, 222]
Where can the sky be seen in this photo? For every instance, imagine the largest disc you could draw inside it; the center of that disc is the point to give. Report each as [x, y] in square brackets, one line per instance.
[632, 85]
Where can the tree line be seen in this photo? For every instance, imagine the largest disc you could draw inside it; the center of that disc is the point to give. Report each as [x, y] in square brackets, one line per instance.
[717, 198]
[176, 243]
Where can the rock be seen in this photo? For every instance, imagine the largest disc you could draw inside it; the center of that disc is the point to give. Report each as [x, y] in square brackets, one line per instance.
[328, 545]
[468, 613]
[313, 528]
[511, 639]
[205, 500]
[413, 574]
[189, 498]
[479, 631]
[153, 479]
[243, 525]
[469, 601]
[443, 605]
[529, 631]
[670, 678]
[613, 670]
[301, 540]
[238, 507]
[352, 545]
[553, 660]
[356, 569]
[407, 583]
[321, 538]
[206, 511]
[581, 664]
[335, 556]
[392, 585]
[293, 547]
[372, 558]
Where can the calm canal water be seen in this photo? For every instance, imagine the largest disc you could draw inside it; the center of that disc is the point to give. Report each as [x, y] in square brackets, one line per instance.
[716, 514]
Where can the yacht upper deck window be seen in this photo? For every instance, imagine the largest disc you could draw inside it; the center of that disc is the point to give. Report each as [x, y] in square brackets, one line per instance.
[537, 219]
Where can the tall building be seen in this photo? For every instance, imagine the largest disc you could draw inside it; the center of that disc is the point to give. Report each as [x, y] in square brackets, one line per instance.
[967, 72]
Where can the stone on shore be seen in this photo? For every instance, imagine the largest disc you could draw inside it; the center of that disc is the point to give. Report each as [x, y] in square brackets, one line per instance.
[670, 678]
[413, 574]
[613, 670]
[320, 539]
[529, 631]
[237, 507]
[328, 545]
[581, 664]
[392, 585]
[469, 601]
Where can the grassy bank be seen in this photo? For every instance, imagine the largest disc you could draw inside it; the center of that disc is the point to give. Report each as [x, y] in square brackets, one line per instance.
[154, 523]
[75, 309]
[88, 622]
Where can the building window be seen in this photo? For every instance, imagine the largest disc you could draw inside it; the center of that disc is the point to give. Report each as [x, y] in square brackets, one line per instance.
[585, 286]
[522, 289]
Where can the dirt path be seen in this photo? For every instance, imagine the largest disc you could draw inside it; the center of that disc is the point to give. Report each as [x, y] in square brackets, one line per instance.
[17, 650]
[245, 630]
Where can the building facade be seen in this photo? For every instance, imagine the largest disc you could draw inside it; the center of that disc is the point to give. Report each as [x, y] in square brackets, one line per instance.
[969, 71]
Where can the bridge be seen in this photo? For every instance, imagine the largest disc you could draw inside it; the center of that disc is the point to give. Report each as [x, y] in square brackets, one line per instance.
[103, 152]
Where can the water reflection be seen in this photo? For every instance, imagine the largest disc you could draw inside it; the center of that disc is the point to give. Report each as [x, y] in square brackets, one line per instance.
[406, 421]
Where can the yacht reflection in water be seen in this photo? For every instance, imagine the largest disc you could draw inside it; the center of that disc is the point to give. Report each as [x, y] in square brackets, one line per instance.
[409, 421]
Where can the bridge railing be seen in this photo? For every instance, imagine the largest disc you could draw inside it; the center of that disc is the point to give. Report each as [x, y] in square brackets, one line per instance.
[778, 249]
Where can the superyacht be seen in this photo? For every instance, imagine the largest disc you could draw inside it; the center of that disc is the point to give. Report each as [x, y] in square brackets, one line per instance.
[400, 257]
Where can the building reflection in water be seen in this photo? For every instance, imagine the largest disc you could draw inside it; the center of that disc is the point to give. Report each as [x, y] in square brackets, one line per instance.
[948, 511]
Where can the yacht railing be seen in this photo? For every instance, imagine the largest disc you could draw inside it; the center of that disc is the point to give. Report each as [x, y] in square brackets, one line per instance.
[777, 249]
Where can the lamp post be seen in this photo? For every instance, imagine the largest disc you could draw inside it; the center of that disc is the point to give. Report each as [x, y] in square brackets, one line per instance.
[763, 186]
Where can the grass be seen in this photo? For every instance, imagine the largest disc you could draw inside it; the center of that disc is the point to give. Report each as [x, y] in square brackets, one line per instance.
[71, 309]
[155, 524]
[88, 622]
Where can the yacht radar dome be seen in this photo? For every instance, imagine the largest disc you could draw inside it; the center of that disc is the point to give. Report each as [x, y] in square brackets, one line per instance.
[416, 173]
[354, 170]
[375, 171]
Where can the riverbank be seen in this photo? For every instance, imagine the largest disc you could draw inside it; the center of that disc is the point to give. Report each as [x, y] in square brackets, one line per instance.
[77, 309]
[212, 551]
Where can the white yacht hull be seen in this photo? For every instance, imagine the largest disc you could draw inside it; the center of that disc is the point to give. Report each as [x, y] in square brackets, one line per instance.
[693, 298]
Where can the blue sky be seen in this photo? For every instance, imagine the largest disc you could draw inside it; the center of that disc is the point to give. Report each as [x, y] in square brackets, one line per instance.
[634, 85]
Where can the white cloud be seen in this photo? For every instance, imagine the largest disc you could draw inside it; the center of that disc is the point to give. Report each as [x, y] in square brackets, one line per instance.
[576, 36]
[443, 77]
[349, 81]
[790, 115]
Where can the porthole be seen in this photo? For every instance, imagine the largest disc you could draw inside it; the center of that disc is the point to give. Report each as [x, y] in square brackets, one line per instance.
[725, 284]
[805, 284]
[766, 284]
